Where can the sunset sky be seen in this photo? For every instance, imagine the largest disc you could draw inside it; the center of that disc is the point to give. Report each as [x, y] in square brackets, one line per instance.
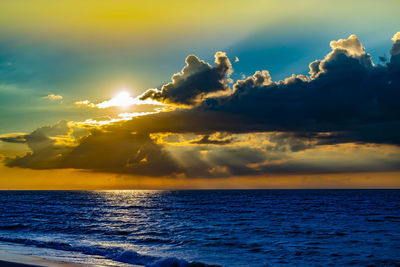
[199, 94]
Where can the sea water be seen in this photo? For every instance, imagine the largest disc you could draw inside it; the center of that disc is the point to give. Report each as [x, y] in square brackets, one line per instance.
[215, 227]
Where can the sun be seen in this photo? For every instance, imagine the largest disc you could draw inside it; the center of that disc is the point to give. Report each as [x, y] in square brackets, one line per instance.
[122, 99]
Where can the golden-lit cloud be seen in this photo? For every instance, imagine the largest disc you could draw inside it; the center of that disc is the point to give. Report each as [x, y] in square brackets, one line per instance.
[122, 99]
[84, 103]
[54, 97]
[108, 120]
[351, 45]
[396, 44]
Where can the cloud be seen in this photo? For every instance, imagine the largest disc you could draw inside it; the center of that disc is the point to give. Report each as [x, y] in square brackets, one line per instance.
[396, 44]
[196, 80]
[120, 152]
[13, 138]
[122, 99]
[206, 140]
[54, 97]
[61, 146]
[84, 103]
[346, 101]
[352, 47]
[345, 93]
[46, 152]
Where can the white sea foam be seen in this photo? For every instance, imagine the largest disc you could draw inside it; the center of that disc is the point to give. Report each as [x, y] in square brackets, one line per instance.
[112, 253]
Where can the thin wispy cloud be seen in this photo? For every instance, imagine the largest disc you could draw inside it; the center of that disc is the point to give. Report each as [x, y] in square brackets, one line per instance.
[54, 97]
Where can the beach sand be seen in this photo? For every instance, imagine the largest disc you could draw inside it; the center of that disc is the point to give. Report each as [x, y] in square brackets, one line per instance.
[11, 259]
[15, 264]
[36, 263]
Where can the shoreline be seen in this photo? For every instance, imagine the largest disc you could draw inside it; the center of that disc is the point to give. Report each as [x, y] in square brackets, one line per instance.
[34, 262]
[10, 258]
[40, 263]
[17, 264]
[20, 255]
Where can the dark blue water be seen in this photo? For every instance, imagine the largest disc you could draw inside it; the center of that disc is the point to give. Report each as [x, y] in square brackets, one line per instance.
[228, 228]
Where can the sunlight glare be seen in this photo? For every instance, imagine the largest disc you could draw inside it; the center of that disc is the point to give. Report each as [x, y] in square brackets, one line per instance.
[122, 99]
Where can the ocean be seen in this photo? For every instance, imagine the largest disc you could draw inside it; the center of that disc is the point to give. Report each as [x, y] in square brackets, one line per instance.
[205, 227]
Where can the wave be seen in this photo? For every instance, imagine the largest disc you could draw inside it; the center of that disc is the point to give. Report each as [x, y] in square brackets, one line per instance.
[112, 253]
[14, 226]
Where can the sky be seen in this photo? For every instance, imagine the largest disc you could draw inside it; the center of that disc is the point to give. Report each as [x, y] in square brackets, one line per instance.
[200, 94]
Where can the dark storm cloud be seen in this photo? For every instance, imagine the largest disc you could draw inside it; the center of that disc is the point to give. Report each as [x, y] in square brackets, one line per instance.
[290, 142]
[396, 45]
[345, 94]
[345, 99]
[121, 152]
[206, 140]
[197, 79]
[299, 167]
[13, 138]
[45, 153]
[117, 152]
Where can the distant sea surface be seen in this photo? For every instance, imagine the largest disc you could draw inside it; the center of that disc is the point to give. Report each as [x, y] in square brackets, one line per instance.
[220, 227]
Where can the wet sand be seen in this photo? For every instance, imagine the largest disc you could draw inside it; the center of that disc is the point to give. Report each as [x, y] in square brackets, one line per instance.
[41, 263]
[15, 264]
[9, 258]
